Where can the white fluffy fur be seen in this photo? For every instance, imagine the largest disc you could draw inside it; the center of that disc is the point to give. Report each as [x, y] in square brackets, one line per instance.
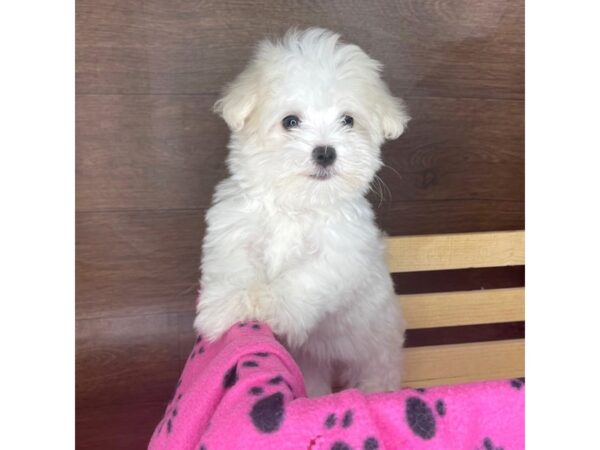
[300, 253]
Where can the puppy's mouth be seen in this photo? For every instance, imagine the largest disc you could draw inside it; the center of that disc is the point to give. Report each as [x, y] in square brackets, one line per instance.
[322, 174]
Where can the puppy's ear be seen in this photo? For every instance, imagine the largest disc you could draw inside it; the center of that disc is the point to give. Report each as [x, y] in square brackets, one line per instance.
[391, 112]
[239, 99]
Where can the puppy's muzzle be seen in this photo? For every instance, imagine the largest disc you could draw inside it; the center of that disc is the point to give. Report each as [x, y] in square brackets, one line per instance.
[324, 155]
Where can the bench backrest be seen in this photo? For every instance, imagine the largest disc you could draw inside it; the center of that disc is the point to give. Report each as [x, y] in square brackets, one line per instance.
[459, 363]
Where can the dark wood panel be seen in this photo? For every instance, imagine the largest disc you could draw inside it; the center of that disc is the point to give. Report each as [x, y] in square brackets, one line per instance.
[139, 152]
[450, 216]
[430, 48]
[458, 149]
[464, 334]
[137, 263]
[127, 359]
[146, 262]
[117, 427]
[459, 280]
[163, 152]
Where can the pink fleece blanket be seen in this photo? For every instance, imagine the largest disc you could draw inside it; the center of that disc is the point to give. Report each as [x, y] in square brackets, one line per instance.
[245, 392]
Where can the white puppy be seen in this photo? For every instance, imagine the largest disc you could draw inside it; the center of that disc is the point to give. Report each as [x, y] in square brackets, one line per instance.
[291, 240]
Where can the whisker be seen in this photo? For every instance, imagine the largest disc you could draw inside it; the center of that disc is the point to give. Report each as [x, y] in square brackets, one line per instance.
[392, 169]
[385, 186]
[378, 192]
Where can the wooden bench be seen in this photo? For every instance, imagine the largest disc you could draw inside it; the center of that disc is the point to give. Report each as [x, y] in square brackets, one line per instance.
[460, 363]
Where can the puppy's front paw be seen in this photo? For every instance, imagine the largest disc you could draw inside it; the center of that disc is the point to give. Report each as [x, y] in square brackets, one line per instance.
[211, 326]
[218, 309]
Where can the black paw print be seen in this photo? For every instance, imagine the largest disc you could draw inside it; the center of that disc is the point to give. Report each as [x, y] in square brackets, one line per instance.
[421, 418]
[268, 413]
[346, 421]
[489, 445]
[279, 380]
[198, 347]
[254, 325]
[517, 383]
[172, 411]
[230, 377]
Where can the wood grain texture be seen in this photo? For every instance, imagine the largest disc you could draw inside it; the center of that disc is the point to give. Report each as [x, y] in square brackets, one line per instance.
[459, 280]
[458, 168]
[450, 216]
[430, 48]
[463, 334]
[455, 251]
[149, 152]
[146, 262]
[137, 262]
[463, 308]
[165, 152]
[118, 426]
[463, 363]
[124, 359]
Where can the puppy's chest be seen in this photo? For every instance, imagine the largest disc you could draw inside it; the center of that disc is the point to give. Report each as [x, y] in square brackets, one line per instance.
[288, 245]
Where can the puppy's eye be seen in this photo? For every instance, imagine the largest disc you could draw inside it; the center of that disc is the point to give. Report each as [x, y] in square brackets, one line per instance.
[290, 122]
[348, 121]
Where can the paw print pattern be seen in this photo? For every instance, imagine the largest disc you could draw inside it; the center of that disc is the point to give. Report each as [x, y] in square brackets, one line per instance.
[517, 383]
[330, 421]
[278, 380]
[440, 407]
[172, 411]
[230, 377]
[254, 326]
[347, 419]
[256, 390]
[371, 444]
[198, 347]
[268, 412]
[420, 417]
[250, 363]
[339, 445]
[489, 445]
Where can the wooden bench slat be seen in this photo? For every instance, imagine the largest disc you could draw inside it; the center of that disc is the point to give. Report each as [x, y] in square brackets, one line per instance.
[455, 251]
[446, 309]
[463, 363]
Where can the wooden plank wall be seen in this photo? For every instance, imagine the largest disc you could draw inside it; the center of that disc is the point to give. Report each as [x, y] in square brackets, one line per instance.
[149, 152]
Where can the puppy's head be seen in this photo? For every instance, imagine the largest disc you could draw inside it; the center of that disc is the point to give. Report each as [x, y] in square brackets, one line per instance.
[308, 116]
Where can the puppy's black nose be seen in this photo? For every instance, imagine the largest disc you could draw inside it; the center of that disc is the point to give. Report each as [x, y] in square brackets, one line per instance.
[324, 155]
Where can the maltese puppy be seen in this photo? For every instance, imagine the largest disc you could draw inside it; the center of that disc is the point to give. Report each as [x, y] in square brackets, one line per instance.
[291, 239]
